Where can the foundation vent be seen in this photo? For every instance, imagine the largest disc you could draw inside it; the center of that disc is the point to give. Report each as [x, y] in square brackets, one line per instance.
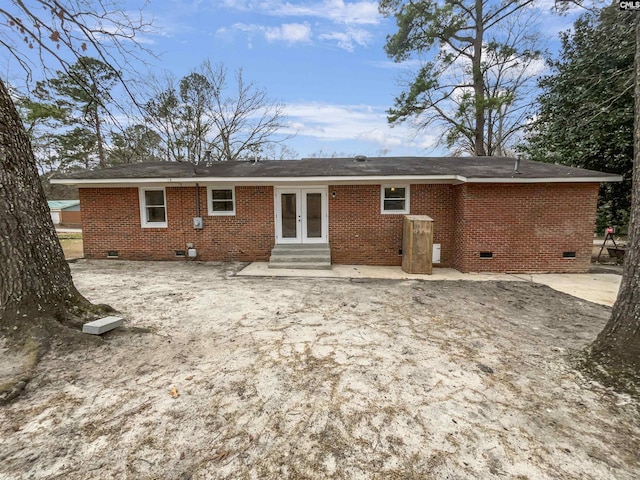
[112, 253]
[568, 254]
[486, 254]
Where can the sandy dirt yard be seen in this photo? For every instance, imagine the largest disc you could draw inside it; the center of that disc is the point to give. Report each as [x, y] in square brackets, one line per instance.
[244, 378]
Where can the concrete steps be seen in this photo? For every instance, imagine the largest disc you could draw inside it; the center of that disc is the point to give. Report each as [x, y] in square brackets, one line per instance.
[316, 256]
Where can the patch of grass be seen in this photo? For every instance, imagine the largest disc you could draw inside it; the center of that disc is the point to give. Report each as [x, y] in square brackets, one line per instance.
[71, 244]
[70, 235]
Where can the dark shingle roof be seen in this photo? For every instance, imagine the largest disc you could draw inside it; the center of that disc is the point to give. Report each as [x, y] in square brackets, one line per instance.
[469, 168]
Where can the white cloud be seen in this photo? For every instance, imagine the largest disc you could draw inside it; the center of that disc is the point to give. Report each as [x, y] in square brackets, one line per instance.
[363, 123]
[381, 137]
[348, 39]
[301, 33]
[364, 12]
[225, 34]
[109, 32]
[237, 4]
[287, 32]
[340, 22]
[244, 27]
[296, 126]
[351, 13]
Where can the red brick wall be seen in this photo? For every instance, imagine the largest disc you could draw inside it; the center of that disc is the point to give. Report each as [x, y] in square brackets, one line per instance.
[71, 218]
[111, 221]
[360, 234]
[435, 201]
[526, 226]
[459, 230]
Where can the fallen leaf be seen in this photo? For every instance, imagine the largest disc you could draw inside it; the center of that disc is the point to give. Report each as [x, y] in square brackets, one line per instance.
[190, 377]
[174, 392]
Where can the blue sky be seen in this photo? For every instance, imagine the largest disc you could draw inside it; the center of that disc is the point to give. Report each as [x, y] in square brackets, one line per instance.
[324, 59]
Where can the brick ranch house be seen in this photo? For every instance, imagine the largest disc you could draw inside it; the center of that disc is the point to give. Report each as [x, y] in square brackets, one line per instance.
[487, 215]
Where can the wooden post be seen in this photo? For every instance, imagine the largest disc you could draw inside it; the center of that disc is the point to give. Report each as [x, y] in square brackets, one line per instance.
[417, 244]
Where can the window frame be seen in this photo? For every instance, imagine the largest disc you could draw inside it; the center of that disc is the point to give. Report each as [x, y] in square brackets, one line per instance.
[213, 213]
[144, 223]
[407, 196]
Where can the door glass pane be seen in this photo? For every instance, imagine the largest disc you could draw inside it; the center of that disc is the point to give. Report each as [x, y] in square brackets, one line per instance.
[289, 215]
[314, 215]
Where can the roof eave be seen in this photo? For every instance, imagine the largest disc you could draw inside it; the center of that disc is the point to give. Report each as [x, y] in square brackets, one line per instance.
[608, 178]
[333, 180]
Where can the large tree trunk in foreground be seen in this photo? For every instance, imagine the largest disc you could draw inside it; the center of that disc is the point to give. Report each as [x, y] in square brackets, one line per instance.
[618, 345]
[36, 289]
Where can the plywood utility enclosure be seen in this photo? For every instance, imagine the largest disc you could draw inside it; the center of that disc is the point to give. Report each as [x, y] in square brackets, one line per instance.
[417, 244]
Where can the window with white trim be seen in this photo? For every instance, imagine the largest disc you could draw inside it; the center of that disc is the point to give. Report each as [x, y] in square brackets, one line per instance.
[153, 207]
[222, 200]
[394, 199]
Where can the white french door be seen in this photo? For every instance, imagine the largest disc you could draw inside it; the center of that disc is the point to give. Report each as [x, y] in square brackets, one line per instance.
[301, 215]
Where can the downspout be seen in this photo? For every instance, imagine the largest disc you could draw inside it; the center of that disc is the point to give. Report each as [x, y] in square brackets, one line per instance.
[197, 200]
[195, 170]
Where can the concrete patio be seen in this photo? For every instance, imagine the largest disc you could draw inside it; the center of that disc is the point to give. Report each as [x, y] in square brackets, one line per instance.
[601, 288]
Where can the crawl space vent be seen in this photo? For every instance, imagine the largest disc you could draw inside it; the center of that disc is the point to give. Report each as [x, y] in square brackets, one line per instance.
[112, 254]
[568, 254]
[486, 254]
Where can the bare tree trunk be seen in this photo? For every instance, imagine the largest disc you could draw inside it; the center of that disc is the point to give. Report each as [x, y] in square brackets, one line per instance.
[478, 82]
[618, 345]
[102, 158]
[36, 289]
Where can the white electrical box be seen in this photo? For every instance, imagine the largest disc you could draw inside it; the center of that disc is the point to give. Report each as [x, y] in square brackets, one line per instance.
[192, 253]
[435, 257]
[197, 222]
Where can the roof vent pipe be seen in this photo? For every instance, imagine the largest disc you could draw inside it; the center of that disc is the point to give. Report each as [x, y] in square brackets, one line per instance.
[516, 168]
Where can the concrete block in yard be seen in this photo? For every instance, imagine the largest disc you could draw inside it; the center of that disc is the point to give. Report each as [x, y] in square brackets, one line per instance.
[102, 325]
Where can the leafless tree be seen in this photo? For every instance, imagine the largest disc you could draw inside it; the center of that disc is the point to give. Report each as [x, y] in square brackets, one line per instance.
[204, 117]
